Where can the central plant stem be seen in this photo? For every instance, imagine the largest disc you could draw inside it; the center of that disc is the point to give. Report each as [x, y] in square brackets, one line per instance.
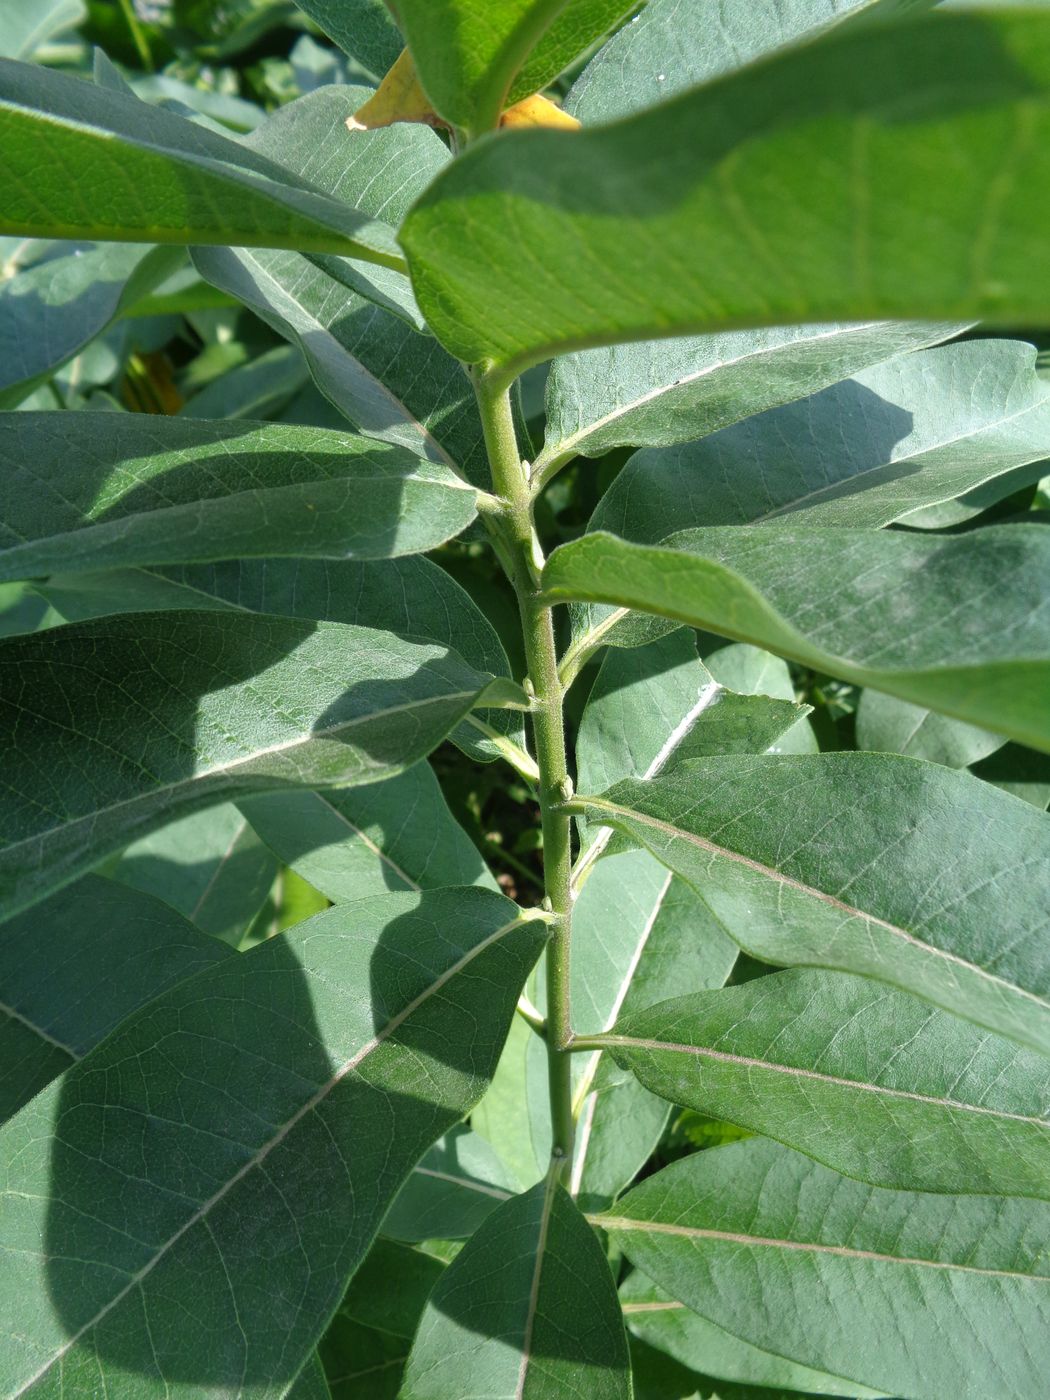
[518, 545]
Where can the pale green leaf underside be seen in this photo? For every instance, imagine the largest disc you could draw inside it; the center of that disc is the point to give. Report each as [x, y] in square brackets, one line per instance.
[894, 171]
[59, 995]
[911, 1294]
[81, 161]
[98, 491]
[868, 1080]
[673, 45]
[112, 728]
[358, 327]
[50, 310]
[958, 624]
[527, 1311]
[206, 1165]
[917, 431]
[906, 872]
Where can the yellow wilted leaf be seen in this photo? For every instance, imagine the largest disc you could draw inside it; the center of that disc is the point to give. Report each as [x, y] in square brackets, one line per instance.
[538, 111]
[400, 98]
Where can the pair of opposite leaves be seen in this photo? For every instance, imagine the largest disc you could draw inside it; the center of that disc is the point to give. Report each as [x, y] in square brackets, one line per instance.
[400, 98]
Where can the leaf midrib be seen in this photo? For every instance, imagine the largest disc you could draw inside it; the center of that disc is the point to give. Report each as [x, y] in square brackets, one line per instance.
[399, 407]
[788, 882]
[191, 778]
[259, 1156]
[831, 490]
[628, 1042]
[625, 1224]
[568, 444]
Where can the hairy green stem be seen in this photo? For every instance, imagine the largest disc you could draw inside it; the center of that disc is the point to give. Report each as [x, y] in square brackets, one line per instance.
[523, 557]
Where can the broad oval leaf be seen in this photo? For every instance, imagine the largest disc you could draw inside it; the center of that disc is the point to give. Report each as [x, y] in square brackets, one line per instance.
[81, 161]
[868, 1080]
[526, 1311]
[863, 177]
[97, 491]
[906, 872]
[58, 993]
[234, 1165]
[919, 430]
[128, 721]
[957, 624]
[910, 1293]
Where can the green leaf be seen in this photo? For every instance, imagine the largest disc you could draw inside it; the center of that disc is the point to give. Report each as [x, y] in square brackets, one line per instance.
[661, 392]
[456, 1184]
[638, 935]
[906, 872]
[52, 309]
[866, 1079]
[368, 1340]
[751, 671]
[1019, 771]
[363, 29]
[670, 1327]
[311, 1383]
[886, 725]
[956, 624]
[394, 835]
[411, 596]
[892, 171]
[261, 388]
[210, 866]
[81, 161]
[654, 706]
[669, 47]
[528, 1309]
[381, 173]
[502, 1116]
[919, 430]
[96, 491]
[228, 1154]
[136, 720]
[473, 56]
[388, 379]
[58, 993]
[30, 23]
[911, 1294]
